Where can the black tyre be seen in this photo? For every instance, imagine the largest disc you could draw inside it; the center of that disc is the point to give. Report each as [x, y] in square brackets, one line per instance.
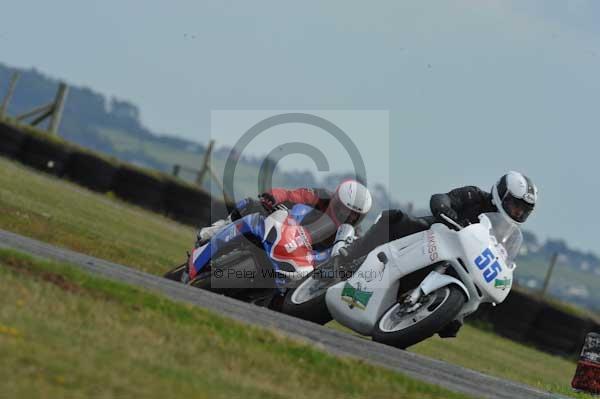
[202, 281]
[306, 306]
[401, 327]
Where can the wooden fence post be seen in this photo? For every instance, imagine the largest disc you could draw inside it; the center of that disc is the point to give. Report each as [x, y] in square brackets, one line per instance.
[45, 109]
[549, 274]
[9, 93]
[59, 104]
[205, 163]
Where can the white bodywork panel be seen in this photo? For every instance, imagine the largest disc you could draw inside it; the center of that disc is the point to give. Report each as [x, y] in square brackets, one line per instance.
[359, 302]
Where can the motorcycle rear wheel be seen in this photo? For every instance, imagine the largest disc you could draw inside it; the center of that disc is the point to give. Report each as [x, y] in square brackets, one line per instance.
[401, 326]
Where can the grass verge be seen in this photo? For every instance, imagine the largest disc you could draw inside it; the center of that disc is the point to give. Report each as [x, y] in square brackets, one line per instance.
[64, 333]
[61, 213]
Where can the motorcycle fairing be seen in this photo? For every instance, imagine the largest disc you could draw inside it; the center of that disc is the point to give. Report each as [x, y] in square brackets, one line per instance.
[282, 238]
[382, 280]
[292, 244]
[251, 224]
[477, 259]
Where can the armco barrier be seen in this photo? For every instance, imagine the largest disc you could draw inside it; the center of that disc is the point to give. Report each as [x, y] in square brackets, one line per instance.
[141, 188]
[91, 171]
[11, 141]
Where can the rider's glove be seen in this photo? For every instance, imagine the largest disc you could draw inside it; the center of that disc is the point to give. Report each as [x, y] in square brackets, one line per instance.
[268, 201]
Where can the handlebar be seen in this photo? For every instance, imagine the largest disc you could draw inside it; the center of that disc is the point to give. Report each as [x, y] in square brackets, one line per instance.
[452, 222]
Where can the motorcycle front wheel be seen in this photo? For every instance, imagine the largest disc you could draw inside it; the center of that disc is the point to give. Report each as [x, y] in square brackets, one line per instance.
[403, 325]
[307, 300]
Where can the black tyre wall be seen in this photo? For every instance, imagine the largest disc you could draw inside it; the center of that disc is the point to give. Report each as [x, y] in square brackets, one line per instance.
[187, 205]
[143, 189]
[558, 331]
[91, 171]
[218, 209]
[11, 141]
[514, 318]
[45, 154]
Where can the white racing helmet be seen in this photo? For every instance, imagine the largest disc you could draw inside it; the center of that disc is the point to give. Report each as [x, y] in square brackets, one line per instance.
[515, 196]
[351, 202]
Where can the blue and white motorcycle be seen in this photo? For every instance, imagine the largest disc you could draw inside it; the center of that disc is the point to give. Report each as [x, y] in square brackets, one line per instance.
[252, 257]
[409, 289]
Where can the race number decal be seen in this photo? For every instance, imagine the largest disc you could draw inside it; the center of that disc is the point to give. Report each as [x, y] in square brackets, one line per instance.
[489, 265]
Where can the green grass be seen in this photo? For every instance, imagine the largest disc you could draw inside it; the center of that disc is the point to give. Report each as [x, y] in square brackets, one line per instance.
[481, 350]
[61, 213]
[64, 333]
[486, 352]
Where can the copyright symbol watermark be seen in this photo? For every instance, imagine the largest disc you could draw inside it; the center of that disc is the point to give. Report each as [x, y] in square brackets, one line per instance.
[274, 156]
[315, 150]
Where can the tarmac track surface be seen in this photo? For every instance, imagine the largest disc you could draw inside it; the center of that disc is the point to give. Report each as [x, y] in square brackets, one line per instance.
[452, 377]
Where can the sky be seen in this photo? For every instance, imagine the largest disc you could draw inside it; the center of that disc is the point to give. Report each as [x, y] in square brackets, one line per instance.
[470, 88]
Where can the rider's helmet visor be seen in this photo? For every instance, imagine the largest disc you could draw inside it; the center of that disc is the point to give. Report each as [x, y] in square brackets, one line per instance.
[518, 209]
[343, 214]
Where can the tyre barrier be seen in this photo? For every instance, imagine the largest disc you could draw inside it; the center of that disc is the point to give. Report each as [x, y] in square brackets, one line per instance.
[187, 204]
[218, 210]
[91, 171]
[558, 331]
[143, 189]
[514, 317]
[48, 155]
[11, 141]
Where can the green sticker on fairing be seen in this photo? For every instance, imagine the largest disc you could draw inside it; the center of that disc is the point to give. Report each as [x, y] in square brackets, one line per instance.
[503, 284]
[355, 297]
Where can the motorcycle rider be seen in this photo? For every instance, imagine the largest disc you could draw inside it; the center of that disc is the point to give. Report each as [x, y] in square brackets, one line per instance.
[513, 196]
[349, 203]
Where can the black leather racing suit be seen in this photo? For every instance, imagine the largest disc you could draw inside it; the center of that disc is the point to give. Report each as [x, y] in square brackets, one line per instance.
[463, 204]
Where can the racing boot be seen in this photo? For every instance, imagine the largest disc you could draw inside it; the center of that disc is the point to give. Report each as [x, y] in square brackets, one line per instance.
[451, 329]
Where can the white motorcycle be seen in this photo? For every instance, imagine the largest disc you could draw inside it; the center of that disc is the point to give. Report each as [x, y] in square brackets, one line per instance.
[408, 289]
